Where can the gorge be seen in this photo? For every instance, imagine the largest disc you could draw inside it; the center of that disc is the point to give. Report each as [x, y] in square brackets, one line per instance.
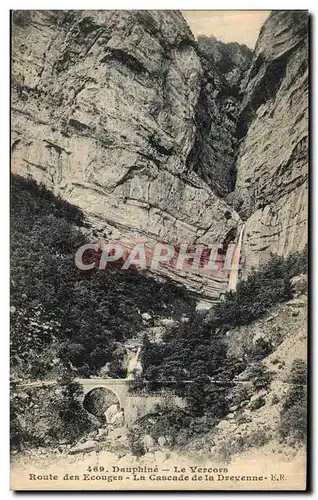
[127, 129]
[122, 114]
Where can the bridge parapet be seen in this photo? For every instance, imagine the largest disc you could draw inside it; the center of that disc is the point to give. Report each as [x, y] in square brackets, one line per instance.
[119, 387]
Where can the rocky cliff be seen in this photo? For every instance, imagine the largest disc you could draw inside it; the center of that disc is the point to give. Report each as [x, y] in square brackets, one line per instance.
[271, 167]
[117, 112]
[122, 115]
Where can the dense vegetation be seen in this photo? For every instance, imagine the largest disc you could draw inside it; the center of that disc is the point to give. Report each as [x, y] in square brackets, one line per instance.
[48, 416]
[231, 59]
[64, 321]
[261, 290]
[293, 424]
[197, 350]
[73, 318]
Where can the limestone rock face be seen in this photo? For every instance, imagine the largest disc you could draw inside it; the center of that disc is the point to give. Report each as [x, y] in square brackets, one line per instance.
[215, 146]
[122, 114]
[106, 111]
[271, 184]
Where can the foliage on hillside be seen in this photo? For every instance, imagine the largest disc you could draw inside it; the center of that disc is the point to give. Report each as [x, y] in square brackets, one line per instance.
[48, 416]
[55, 308]
[261, 290]
[197, 350]
[62, 317]
[232, 59]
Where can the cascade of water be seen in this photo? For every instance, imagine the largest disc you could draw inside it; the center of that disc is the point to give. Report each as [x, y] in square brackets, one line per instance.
[134, 365]
[234, 272]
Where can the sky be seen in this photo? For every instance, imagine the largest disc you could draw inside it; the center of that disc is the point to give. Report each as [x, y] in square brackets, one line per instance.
[227, 25]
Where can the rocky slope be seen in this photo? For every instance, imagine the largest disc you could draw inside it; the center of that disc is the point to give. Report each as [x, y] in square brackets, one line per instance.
[249, 433]
[116, 112]
[251, 428]
[272, 171]
[121, 114]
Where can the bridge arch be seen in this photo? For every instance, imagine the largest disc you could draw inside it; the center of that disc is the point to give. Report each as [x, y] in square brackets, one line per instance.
[105, 397]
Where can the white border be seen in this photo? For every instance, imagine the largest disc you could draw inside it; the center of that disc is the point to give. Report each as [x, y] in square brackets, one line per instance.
[163, 4]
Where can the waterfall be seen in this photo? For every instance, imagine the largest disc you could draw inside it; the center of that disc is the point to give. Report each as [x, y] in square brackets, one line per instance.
[134, 365]
[234, 272]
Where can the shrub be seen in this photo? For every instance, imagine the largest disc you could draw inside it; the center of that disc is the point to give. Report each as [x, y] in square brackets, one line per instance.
[293, 424]
[293, 416]
[263, 380]
[260, 350]
[298, 373]
[259, 376]
[258, 438]
[238, 394]
[257, 403]
[275, 361]
[275, 399]
[137, 448]
[297, 263]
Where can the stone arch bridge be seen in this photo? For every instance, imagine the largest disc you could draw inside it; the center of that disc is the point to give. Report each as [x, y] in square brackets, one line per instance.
[135, 405]
[120, 387]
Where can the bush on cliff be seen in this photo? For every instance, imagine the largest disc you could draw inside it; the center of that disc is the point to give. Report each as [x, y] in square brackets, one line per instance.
[293, 416]
[261, 290]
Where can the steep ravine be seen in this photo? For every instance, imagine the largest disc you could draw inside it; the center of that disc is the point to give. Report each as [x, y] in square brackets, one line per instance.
[120, 113]
[116, 112]
[272, 163]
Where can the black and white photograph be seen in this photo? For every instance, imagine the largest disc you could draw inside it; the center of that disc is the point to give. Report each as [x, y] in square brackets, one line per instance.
[159, 250]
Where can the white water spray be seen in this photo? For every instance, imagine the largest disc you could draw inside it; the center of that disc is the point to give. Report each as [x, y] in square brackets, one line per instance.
[234, 273]
[134, 365]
